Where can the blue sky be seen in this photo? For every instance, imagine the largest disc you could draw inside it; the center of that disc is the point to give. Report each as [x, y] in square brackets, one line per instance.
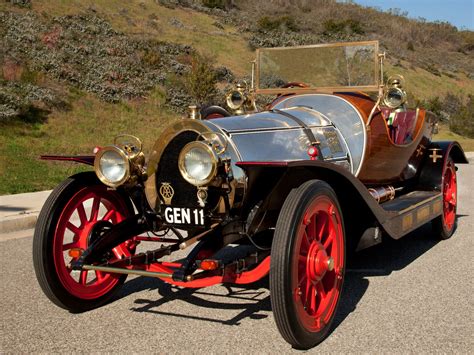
[458, 12]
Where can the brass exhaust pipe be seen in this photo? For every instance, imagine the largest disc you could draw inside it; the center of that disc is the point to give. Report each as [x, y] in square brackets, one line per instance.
[116, 270]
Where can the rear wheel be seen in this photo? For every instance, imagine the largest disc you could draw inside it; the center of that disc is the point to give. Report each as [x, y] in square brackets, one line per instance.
[444, 225]
[76, 212]
[307, 264]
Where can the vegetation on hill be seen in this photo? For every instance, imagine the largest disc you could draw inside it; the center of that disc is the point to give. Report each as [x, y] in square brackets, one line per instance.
[75, 73]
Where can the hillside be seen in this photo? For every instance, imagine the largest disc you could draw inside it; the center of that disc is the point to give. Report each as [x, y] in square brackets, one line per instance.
[75, 73]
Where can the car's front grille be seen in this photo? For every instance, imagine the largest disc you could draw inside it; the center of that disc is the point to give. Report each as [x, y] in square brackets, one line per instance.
[168, 172]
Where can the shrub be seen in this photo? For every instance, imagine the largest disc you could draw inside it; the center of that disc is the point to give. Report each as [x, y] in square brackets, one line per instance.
[21, 3]
[217, 4]
[201, 80]
[282, 23]
[350, 26]
[462, 122]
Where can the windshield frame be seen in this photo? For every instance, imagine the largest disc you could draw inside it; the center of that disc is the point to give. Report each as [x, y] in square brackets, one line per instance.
[326, 89]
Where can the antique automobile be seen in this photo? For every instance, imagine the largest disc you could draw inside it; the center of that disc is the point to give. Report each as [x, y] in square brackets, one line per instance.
[334, 163]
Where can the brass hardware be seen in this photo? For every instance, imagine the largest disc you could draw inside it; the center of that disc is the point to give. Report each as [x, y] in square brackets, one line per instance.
[330, 89]
[194, 113]
[214, 160]
[132, 145]
[161, 143]
[330, 263]
[423, 213]
[98, 170]
[382, 194]
[407, 221]
[394, 89]
[419, 150]
[238, 99]
[167, 192]
[202, 196]
[116, 270]
[435, 155]
[196, 238]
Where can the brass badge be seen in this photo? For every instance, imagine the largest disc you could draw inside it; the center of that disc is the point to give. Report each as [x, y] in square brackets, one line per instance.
[435, 155]
[419, 151]
[167, 192]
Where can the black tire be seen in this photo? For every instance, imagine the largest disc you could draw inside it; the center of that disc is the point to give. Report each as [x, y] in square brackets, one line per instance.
[294, 319]
[49, 273]
[210, 112]
[444, 226]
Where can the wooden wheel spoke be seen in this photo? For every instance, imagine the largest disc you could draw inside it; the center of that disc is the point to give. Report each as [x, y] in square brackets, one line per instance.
[302, 279]
[73, 228]
[82, 214]
[70, 245]
[321, 290]
[302, 259]
[328, 240]
[322, 228]
[83, 277]
[108, 215]
[313, 299]
[95, 209]
[99, 275]
[305, 243]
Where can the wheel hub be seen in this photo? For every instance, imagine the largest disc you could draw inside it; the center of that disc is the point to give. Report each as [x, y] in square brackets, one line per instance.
[318, 262]
[97, 230]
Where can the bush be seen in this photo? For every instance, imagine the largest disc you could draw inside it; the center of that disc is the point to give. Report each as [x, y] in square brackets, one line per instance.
[86, 52]
[350, 26]
[27, 102]
[281, 23]
[217, 4]
[462, 122]
[201, 80]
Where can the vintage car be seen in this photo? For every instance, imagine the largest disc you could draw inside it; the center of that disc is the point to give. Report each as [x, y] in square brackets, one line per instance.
[333, 164]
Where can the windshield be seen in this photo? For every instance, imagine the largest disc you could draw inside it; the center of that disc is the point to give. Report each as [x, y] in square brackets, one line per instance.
[331, 67]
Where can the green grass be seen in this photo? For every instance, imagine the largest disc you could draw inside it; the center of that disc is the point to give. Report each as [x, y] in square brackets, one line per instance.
[446, 135]
[90, 123]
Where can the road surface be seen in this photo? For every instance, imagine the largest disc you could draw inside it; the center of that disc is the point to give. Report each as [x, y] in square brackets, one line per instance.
[411, 295]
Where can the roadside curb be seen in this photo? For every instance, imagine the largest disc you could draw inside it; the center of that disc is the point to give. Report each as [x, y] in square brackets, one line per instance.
[18, 223]
[20, 211]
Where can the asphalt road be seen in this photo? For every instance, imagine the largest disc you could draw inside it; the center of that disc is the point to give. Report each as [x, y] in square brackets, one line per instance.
[412, 295]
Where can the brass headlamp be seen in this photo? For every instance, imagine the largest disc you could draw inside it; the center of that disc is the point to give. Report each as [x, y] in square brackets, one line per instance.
[238, 99]
[395, 96]
[121, 163]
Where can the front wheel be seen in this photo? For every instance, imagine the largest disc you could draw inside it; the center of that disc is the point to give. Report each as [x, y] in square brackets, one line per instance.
[307, 264]
[71, 217]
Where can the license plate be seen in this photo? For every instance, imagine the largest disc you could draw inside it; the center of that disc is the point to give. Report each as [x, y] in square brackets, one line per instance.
[184, 215]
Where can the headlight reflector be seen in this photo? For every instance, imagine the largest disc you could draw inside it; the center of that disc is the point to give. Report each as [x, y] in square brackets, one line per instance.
[235, 100]
[112, 166]
[395, 97]
[198, 163]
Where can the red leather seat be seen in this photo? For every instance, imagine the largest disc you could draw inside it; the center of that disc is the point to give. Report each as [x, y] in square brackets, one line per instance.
[404, 124]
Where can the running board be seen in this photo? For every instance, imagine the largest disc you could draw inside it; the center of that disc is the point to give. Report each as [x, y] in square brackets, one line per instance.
[410, 211]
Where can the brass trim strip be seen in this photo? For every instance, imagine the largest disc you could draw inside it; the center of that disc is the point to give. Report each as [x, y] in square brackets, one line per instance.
[326, 90]
[419, 204]
[115, 270]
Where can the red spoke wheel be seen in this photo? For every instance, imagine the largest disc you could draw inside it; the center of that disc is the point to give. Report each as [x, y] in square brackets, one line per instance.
[444, 225]
[72, 216]
[307, 264]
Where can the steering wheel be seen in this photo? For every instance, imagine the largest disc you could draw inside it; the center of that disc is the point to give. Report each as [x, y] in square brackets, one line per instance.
[295, 84]
[279, 97]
